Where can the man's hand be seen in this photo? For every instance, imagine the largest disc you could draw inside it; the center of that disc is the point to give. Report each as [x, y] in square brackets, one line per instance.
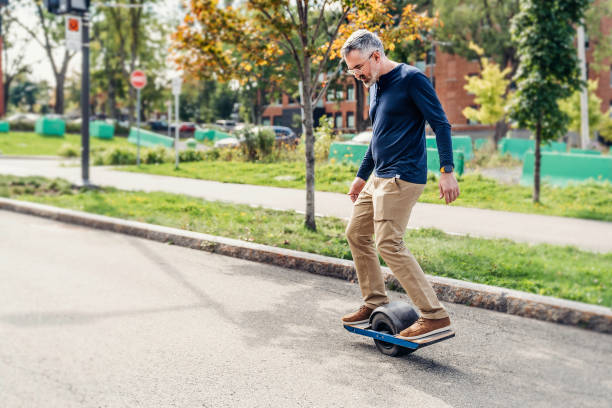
[449, 188]
[356, 188]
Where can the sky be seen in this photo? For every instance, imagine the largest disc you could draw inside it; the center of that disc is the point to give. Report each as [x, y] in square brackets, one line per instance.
[37, 58]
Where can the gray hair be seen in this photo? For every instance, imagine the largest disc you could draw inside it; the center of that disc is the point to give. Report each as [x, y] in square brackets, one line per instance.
[363, 41]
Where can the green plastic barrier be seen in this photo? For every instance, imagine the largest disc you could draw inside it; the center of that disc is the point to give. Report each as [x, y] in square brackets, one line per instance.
[5, 127]
[50, 127]
[433, 161]
[481, 142]
[430, 142]
[149, 139]
[460, 142]
[191, 143]
[558, 147]
[202, 134]
[562, 168]
[585, 151]
[210, 134]
[101, 129]
[463, 143]
[516, 148]
[347, 152]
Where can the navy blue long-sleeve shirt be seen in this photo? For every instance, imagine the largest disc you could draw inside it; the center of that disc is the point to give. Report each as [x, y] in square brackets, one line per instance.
[400, 103]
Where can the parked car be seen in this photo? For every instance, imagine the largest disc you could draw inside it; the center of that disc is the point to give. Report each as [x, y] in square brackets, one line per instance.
[158, 125]
[363, 137]
[23, 117]
[227, 125]
[227, 142]
[185, 128]
[285, 135]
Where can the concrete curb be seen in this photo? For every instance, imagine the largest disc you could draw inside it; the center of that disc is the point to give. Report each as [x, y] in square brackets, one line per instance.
[25, 157]
[513, 302]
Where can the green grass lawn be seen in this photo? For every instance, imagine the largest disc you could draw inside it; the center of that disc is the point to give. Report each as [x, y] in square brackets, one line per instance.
[563, 272]
[30, 143]
[590, 200]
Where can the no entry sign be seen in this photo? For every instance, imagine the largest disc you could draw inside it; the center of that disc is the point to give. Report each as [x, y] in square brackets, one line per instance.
[138, 79]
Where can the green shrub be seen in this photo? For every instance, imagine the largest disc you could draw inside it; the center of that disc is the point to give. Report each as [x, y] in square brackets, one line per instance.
[119, 156]
[258, 144]
[68, 150]
[22, 126]
[324, 135]
[156, 155]
[73, 128]
[190, 155]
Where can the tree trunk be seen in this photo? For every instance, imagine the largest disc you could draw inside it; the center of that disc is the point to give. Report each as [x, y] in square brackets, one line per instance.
[360, 123]
[536, 169]
[59, 94]
[501, 128]
[310, 157]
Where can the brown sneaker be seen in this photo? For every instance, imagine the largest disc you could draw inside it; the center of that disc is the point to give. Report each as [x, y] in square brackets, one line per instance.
[425, 327]
[360, 316]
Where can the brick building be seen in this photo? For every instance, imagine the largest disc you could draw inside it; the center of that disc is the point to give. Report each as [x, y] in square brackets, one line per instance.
[449, 76]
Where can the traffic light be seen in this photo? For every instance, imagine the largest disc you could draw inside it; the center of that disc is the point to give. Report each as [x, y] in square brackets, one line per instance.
[66, 6]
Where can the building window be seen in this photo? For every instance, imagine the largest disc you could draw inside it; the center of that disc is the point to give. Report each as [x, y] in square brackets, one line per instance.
[338, 121]
[339, 95]
[330, 95]
[291, 100]
[350, 93]
[471, 121]
[266, 121]
[350, 120]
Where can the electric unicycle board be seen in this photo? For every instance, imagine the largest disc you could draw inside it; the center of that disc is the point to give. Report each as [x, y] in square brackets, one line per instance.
[387, 321]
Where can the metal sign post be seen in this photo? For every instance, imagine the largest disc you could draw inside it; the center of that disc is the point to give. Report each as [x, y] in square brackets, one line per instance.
[169, 118]
[84, 25]
[138, 79]
[176, 90]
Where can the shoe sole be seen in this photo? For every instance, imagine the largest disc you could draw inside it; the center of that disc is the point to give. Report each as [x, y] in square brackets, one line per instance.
[430, 333]
[357, 321]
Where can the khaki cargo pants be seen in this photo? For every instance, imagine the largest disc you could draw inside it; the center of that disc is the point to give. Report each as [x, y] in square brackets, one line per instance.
[383, 209]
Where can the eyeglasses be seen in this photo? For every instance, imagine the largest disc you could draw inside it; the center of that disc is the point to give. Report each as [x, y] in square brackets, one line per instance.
[358, 68]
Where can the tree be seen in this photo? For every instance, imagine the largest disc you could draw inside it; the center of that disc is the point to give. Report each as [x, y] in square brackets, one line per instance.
[598, 40]
[130, 38]
[571, 107]
[53, 35]
[548, 69]
[490, 89]
[310, 32]
[15, 66]
[486, 23]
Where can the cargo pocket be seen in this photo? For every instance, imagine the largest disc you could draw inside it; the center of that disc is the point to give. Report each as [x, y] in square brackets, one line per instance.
[386, 199]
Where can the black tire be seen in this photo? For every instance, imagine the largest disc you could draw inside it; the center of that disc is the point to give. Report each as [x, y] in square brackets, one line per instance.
[381, 323]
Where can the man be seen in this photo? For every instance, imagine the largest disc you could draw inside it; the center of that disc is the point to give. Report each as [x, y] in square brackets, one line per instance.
[401, 100]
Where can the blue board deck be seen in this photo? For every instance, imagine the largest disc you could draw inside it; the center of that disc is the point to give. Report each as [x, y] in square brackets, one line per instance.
[366, 330]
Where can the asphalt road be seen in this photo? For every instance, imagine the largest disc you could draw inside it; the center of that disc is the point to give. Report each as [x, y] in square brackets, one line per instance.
[91, 318]
[585, 234]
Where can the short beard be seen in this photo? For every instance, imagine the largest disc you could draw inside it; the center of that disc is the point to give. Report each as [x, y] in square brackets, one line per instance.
[372, 81]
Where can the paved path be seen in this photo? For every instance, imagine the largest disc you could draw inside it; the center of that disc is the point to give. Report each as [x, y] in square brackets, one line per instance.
[91, 318]
[586, 234]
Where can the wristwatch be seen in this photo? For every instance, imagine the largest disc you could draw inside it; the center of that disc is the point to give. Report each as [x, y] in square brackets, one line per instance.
[446, 169]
